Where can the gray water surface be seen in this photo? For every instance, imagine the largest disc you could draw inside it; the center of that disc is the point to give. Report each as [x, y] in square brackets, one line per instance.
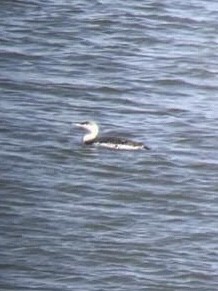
[81, 218]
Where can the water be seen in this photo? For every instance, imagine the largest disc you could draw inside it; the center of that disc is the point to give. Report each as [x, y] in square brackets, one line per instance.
[80, 218]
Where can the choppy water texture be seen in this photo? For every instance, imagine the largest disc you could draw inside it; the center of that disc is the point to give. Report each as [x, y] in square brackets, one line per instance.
[80, 218]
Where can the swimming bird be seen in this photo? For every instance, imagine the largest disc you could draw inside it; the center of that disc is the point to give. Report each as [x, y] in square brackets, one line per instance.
[92, 138]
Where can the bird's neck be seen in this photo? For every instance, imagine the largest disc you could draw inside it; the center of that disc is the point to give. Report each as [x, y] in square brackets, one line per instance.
[91, 136]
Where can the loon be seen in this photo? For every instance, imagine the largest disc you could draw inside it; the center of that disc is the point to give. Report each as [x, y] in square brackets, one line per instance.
[92, 138]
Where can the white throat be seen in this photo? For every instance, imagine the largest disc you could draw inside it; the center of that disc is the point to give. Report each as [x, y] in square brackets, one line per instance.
[93, 133]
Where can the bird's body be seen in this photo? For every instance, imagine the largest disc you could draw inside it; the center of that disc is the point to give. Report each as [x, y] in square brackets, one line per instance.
[109, 142]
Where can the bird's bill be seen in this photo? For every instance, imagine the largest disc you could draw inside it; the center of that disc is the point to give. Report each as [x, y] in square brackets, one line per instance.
[78, 124]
